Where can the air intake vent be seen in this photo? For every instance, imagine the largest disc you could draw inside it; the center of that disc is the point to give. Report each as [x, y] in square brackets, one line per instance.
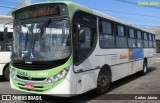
[38, 65]
[33, 66]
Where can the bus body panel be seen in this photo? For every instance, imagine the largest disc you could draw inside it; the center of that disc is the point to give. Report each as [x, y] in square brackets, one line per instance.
[69, 86]
[1, 68]
[150, 54]
[4, 59]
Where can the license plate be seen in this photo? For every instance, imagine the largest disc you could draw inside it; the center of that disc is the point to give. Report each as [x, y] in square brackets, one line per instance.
[29, 86]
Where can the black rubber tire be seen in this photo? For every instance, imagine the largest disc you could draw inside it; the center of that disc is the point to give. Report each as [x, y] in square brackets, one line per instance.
[144, 71]
[7, 73]
[103, 82]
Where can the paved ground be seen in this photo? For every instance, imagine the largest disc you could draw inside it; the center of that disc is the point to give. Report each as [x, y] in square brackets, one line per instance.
[135, 84]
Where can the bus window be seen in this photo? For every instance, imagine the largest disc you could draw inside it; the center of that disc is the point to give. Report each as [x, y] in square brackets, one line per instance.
[145, 41]
[139, 39]
[154, 42]
[87, 43]
[86, 47]
[85, 35]
[9, 41]
[121, 39]
[120, 30]
[150, 37]
[150, 40]
[105, 27]
[131, 33]
[106, 38]
[1, 36]
[139, 35]
[131, 39]
[2, 43]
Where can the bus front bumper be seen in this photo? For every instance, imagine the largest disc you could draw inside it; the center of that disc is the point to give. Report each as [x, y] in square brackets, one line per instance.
[59, 88]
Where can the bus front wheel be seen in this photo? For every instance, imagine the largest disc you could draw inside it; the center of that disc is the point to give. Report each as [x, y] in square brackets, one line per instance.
[103, 81]
[7, 73]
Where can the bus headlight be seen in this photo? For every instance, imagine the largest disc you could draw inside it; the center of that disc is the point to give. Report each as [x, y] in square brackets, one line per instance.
[61, 75]
[13, 76]
[58, 76]
[49, 80]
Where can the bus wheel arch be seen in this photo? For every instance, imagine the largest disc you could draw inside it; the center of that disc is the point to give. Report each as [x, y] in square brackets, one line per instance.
[6, 71]
[103, 80]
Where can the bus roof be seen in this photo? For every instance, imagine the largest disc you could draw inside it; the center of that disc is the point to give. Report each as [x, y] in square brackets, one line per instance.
[73, 7]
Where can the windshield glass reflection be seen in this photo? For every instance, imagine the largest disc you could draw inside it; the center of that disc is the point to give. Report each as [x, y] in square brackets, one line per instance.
[52, 44]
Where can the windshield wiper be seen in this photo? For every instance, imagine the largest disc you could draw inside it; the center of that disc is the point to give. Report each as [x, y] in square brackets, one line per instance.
[40, 32]
[26, 40]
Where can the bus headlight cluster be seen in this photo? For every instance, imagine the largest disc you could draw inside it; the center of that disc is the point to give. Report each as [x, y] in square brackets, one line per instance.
[58, 76]
[49, 80]
[13, 76]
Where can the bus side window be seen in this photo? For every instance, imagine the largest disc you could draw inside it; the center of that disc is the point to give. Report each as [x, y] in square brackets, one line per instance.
[9, 41]
[150, 40]
[106, 37]
[121, 39]
[154, 41]
[145, 41]
[139, 39]
[131, 39]
[2, 45]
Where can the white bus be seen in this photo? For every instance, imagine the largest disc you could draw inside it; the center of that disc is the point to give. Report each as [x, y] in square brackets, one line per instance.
[66, 48]
[5, 50]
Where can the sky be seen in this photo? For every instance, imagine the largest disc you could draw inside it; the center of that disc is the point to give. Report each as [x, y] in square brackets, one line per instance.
[127, 10]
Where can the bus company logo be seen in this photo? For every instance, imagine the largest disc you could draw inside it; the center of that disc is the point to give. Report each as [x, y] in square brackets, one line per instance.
[123, 56]
[31, 56]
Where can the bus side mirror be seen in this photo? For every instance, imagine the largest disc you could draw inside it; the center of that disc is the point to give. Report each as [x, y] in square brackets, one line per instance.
[81, 35]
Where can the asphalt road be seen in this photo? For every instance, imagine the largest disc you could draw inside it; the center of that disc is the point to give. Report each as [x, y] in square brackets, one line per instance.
[134, 84]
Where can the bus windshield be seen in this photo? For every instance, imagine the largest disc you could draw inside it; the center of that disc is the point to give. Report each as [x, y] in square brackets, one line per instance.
[36, 42]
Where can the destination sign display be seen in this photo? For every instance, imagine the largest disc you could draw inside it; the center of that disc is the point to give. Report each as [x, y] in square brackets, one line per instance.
[37, 11]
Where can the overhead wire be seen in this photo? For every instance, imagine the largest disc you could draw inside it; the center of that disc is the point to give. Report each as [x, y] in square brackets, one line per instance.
[5, 1]
[6, 7]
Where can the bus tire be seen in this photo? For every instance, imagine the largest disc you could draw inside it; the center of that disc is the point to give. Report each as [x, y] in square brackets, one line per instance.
[7, 73]
[103, 81]
[144, 71]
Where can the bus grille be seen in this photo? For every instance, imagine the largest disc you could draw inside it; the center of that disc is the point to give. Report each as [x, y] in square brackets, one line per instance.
[32, 79]
[32, 66]
[38, 65]
[36, 88]
[31, 90]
